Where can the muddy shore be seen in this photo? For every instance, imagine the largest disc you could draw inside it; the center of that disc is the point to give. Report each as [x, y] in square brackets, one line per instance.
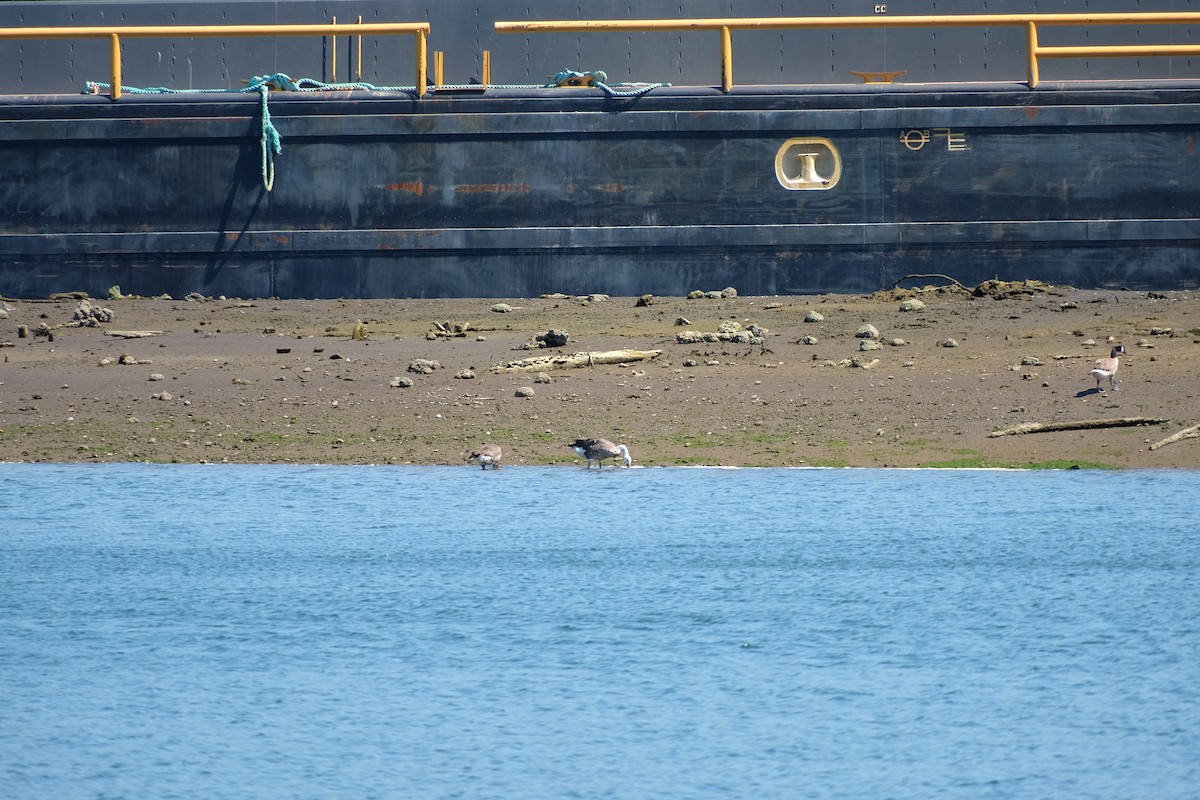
[299, 381]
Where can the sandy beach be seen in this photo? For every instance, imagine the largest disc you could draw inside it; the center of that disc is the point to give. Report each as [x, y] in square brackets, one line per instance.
[736, 381]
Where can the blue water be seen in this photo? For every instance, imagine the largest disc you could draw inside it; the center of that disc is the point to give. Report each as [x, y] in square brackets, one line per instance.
[409, 632]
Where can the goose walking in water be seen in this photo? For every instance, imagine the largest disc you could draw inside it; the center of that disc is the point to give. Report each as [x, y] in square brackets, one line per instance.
[1107, 368]
[599, 449]
[485, 455]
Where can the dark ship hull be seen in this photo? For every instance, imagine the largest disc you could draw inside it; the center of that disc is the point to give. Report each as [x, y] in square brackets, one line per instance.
[512, 190]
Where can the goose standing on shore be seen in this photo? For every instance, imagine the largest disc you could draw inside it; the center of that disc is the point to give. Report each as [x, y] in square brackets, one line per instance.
[599, 449]
[1107, 368]
[486, 454]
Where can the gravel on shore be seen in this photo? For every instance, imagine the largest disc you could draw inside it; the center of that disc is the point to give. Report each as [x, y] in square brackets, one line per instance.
[913, 377]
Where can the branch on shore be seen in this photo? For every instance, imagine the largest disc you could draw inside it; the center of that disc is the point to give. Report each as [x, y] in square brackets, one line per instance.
[133, 334]
[1187, 433]
[926, 277]
[1046, 427]
[540, 363]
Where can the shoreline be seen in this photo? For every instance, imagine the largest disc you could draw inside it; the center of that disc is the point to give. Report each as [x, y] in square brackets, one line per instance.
[333, 381]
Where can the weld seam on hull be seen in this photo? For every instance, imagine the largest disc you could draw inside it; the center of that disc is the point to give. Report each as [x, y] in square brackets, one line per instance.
[632, 237]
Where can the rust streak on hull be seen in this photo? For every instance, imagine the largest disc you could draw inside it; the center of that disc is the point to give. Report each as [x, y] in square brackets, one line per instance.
[493, 188]
[411, 187]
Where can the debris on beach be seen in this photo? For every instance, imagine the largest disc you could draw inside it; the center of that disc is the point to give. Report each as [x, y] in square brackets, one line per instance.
[423, 366]
[554, 337]
[1003, 290]
[91, 315]
[133, 334]
[1087, 424]
[1192, 432]
[728, 331]
[449, 329]
[728, 293]
[542, 363]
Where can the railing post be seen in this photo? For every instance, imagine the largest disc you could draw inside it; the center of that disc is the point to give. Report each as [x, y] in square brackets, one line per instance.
[421, 65]
[114, 54]
[726, 59]
[333, 52]
[485, 69]
[1031, 40]
[358, 71]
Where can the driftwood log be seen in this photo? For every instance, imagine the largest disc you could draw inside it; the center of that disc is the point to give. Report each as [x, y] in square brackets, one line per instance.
[1047, 427]
[133, 334]
[563, 361]
[1187, 433]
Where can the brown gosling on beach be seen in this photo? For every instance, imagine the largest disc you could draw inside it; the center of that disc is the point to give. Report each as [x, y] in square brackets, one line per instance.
[1107, 368]
[486, 454]
[599, 449]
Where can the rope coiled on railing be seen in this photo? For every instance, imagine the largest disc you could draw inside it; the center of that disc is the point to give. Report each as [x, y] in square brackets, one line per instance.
[599, 79]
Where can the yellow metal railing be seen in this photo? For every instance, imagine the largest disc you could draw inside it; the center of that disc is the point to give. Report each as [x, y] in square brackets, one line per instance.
[439, 70]
[1030, 22]
[418, 30]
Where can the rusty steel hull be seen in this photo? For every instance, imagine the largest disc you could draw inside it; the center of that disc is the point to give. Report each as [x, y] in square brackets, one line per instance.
[771, 190]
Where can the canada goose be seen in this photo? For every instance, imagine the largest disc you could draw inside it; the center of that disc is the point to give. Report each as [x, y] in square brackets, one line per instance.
[599, 449]
[1107, 368]
[486, 454]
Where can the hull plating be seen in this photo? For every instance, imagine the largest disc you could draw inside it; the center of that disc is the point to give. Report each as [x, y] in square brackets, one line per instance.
[526, 192]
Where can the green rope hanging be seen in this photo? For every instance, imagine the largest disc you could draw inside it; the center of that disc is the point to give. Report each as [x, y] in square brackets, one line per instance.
[269, 141]
[271, 145]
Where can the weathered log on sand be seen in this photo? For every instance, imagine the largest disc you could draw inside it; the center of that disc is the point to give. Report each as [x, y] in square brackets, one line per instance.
[133, 334]
[563, 361]
[1187, 433]
[1046, 427]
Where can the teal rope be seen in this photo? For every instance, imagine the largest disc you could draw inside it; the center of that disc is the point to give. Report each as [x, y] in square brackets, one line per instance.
[638, 92]
[270, 140]
[600, 81]
[271, 145]
[598, 76]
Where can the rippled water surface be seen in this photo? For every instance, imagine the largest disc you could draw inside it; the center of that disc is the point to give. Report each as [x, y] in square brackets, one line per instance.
[407, 632]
